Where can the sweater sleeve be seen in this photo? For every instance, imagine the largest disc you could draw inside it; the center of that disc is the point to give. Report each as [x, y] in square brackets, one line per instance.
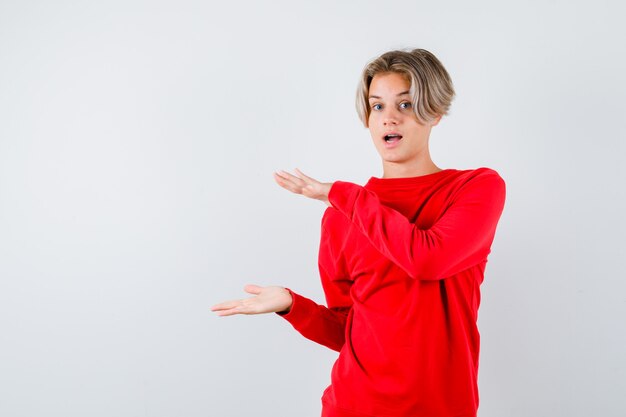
[321, 324]
[459, 239]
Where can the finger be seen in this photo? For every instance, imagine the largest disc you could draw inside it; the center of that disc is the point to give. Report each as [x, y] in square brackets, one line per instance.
[226, 305]
[306, 176]
[293, 178]
[283, 175]
[287, 184]
[252, 289]
[243, 308]
[282, 178]
[229, 312]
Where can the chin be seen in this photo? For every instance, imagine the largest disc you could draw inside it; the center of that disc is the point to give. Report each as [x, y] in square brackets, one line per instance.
[394, 160]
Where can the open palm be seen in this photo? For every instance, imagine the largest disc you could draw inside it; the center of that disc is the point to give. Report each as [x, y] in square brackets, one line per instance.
[266, 300]
[303, 184]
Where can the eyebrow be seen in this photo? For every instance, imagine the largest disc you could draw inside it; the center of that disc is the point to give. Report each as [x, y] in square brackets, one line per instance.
[398, 95]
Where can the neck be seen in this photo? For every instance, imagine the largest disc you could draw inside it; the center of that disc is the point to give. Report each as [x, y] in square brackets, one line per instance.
[403, 170]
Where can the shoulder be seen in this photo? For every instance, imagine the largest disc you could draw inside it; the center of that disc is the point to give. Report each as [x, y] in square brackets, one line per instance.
[482, 172]
[482, 182]
[483, 175]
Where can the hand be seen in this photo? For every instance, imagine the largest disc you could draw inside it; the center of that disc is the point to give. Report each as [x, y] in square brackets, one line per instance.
[302, 184]
[270, 299]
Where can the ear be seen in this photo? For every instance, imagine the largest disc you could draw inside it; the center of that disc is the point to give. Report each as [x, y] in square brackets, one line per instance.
[435, 121]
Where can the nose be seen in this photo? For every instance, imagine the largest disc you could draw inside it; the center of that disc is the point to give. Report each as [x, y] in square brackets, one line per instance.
[390, 117]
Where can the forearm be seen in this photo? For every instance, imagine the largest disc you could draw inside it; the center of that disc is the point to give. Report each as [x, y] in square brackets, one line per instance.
[316, 322]
[459, 239]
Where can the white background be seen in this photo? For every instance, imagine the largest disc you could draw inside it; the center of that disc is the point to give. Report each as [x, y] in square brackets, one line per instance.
[137, 145]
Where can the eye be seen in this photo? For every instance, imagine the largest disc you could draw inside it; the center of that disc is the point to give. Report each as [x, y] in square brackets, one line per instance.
[374, 107]
[406, 104]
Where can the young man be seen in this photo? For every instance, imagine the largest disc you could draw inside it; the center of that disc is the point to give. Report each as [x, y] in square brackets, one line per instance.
[401, 259]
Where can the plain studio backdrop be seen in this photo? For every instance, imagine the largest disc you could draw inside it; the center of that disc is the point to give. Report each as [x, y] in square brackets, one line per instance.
[137, 145]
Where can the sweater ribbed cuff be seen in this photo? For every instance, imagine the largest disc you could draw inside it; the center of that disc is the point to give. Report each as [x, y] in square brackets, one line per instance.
[342, 196]
[299, 312]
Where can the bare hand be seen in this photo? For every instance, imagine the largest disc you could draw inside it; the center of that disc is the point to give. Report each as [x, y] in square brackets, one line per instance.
[302, 184]
[270, 299]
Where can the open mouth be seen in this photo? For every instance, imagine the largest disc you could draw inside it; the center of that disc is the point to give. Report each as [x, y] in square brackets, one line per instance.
[392, 137]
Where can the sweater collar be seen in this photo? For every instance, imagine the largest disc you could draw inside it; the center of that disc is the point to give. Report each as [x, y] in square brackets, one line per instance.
[407, 182]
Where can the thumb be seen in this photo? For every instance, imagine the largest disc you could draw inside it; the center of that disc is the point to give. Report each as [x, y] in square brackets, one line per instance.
[252, 289]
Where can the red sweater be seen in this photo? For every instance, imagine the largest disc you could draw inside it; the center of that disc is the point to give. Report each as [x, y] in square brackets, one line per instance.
[401, 261]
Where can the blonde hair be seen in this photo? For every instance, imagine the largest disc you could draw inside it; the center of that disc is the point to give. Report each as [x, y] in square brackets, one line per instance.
[431, 87]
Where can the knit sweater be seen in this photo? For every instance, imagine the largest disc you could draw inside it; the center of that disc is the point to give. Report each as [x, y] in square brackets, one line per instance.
[401, 261]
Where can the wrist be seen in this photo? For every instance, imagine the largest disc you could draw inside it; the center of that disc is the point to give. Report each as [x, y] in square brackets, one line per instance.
[288, 301]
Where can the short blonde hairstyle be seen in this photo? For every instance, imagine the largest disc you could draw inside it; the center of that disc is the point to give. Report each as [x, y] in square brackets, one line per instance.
[431, 87]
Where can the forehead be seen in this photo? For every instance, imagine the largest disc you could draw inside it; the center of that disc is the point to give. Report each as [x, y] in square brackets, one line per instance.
[389, 84]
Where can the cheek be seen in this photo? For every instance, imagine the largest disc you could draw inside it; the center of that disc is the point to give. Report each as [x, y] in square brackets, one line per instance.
[373, 133]
[371, 126]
